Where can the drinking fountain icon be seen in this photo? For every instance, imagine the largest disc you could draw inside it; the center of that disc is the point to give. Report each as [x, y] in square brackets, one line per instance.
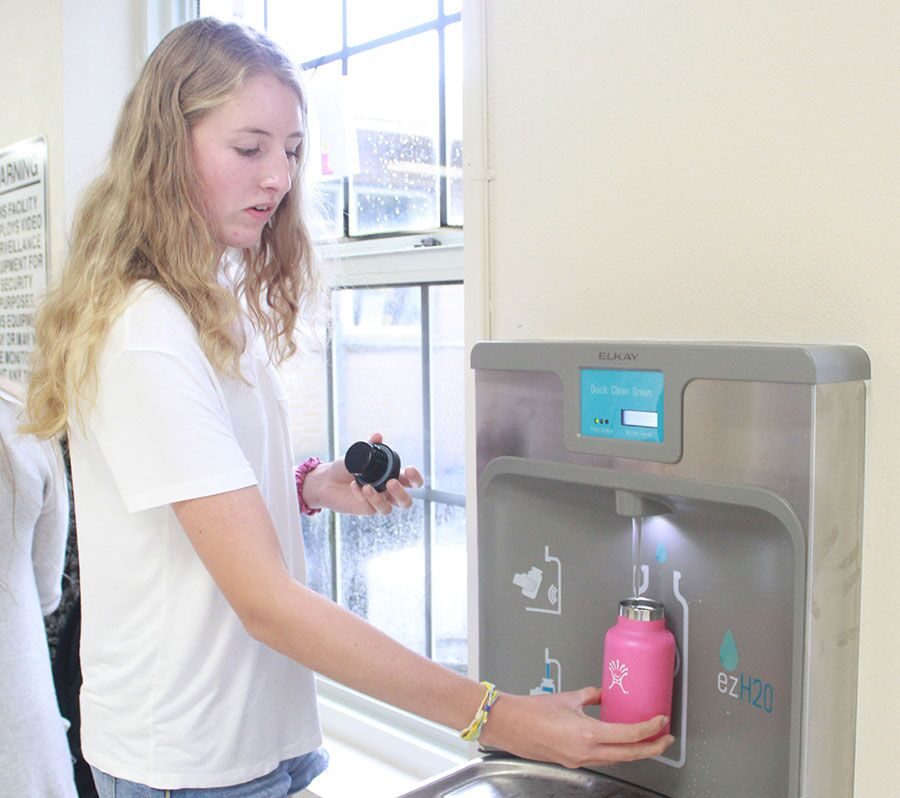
[531, 581]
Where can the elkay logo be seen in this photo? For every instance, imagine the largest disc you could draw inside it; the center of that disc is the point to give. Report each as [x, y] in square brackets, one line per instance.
[617, 356]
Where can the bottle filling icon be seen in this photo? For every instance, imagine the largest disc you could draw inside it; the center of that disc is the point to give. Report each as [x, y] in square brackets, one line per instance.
[548, 683]
[531, 581]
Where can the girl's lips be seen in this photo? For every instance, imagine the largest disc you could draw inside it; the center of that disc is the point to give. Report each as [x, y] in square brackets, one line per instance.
[256, 213]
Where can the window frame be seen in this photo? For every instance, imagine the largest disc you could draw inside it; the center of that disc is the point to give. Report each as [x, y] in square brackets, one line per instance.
[409, 742]
[403, 276]
[438, 24]
[398, 737]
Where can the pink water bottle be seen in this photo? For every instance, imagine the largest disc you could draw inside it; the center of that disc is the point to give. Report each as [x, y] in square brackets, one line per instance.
[638, 665]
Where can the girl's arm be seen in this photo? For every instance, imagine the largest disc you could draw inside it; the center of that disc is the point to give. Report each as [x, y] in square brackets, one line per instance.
[235, 538]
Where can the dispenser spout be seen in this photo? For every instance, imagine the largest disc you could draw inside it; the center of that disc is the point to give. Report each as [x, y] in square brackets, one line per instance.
[634, 505]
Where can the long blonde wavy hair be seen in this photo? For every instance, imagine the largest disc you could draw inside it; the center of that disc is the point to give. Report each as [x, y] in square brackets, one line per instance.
[143, 219]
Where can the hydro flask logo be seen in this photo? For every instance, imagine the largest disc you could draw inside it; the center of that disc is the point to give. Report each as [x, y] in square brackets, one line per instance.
[618, 671]
[617, 356]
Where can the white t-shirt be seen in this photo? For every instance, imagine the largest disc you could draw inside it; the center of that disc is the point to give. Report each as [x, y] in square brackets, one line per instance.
[176, 693]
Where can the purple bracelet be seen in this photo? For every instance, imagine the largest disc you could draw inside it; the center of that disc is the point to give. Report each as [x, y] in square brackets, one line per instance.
[300, 473]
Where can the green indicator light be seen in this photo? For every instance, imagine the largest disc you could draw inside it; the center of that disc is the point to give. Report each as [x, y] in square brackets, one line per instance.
[596, 420]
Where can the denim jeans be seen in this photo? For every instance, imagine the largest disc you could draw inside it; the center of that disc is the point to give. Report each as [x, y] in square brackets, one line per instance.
[289, 777]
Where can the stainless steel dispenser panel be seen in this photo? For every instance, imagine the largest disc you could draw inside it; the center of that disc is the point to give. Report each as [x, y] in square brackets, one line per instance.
[758, 454]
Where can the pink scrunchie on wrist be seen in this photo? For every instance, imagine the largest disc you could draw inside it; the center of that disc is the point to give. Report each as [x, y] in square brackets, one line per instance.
[300, 473]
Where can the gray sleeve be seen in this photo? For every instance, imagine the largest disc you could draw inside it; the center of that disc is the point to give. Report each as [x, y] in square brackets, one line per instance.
[48, 548]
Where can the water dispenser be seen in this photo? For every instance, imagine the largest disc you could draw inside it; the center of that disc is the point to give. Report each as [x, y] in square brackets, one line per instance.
[740, 470]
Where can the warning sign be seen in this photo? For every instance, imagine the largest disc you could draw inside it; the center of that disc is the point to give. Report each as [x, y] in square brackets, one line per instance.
[23, 250]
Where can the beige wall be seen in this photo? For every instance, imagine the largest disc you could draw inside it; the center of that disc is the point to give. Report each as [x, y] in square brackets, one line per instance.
[103, 47]
[702, 171]
[65, 68]
[31, 94]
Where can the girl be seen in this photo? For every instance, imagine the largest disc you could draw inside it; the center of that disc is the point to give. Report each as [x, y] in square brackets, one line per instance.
[189, 267]
[34, 523]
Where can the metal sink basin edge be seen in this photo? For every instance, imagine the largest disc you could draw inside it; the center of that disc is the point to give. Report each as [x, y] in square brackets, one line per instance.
[505, 776]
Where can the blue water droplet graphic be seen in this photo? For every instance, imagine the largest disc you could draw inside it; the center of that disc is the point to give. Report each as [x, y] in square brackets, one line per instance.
[728, 653]
[661, 554]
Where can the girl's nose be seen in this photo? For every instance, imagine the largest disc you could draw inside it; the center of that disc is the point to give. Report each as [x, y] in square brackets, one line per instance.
[278, 174]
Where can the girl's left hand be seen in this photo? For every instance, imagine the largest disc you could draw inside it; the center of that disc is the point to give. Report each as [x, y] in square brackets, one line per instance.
[332, 486]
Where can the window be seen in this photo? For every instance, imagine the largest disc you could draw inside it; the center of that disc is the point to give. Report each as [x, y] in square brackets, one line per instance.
[384, 80]
[385, 85]
[397, 366]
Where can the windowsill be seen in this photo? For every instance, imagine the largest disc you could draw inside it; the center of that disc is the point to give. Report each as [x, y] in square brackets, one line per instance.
[444, 237]
[399, 260]
[354, 772]
[378, 751]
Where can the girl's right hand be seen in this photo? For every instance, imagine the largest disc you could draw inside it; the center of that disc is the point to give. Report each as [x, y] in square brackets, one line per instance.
[332, 486]
[555, 728]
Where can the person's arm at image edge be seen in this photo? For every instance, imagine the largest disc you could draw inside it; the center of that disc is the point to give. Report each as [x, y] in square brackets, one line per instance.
[51, 532]
[234, 536]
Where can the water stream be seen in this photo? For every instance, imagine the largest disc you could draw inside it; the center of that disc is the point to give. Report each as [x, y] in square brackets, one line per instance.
[635, 555]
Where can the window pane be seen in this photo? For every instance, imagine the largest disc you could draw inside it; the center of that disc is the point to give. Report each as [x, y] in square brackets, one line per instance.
[454, 115]
[449, 586]
[448, 368]
[378, 368]
[328, 196]
[378, 377]
[382, 572]
[452, 6]
[332, 146]
[395, 98]
[248, 12]
[317, 544]
[367, 20]
[305, 379]
[306, 29]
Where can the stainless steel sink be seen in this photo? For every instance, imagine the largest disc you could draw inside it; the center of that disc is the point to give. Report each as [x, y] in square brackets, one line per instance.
[503, 776]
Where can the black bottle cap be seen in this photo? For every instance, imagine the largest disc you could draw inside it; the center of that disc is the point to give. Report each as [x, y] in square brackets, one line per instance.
[372, 464]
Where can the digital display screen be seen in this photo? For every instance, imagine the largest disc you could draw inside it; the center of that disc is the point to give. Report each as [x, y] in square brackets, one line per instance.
[640, 418]
[622, 404]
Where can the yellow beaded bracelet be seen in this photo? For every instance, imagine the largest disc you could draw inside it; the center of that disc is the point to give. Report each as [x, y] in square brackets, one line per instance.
[473, 730]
